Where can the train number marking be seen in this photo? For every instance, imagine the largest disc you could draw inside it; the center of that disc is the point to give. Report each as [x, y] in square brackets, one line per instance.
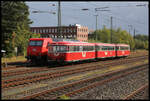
[106, 53]
[83, 54]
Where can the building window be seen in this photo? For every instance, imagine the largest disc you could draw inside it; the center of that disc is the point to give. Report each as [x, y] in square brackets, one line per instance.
[34, 30]
[74, 30]
[46, 30]
[71, 30]
[53, 30]
[64, 30]
[79, 30]
[40, 30]
[56, 30]
[37, 30]
[68, 30]
[43, 30]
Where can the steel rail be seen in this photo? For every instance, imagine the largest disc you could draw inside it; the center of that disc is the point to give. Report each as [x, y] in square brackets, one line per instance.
[6, 74]
[135, 92]
[35, 78]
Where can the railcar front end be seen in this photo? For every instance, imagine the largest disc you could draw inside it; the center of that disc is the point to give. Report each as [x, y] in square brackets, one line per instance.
[37, 49]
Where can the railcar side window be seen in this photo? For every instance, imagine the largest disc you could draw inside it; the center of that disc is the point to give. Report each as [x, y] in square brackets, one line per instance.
[97, 48]
[63, 48]
[71, 48]
[117, 48]
[59, 48]
[88, 48]
[54, 48]
[104, 48]
[76, 48]
[81, 48]
[124, 48]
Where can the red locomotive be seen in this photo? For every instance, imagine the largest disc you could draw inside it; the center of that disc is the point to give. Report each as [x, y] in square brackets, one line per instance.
[37, 49]
[70, 51]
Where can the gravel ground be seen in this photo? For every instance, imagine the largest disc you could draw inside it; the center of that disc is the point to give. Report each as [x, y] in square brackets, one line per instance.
[42, 85]
[117, 89]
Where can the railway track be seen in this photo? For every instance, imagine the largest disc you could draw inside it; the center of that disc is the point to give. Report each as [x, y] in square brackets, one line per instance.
[44, 76]
[6, 74]
[80, 86]
[136, 93]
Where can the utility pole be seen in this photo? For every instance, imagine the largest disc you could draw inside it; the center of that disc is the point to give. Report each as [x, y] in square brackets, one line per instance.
[130, 27]
[111, 29]
[96, 28]
[99, 9]
[59, 19]
[134, 38]
[134, 34]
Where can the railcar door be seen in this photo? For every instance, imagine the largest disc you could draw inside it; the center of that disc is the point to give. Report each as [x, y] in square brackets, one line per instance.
[96, 51]
[116, 50]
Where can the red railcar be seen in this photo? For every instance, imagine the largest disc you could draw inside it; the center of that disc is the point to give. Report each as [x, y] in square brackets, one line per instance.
[122, 50]
[70, 51]
[105, 50]
[37, 49]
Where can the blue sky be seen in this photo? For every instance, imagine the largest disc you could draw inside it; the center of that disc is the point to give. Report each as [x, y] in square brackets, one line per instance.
[123, 13]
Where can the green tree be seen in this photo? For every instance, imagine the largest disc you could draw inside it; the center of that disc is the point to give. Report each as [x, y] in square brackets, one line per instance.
[118, 36]
[146, 46]
[15, 26]
[141, 41]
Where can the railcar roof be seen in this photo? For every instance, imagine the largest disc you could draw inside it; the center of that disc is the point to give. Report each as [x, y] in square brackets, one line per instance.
[72, 43]
[105, 44]
[40, 38]
[122, 45]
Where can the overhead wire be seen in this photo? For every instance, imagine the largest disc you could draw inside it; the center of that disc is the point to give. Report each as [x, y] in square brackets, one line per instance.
[72, 7]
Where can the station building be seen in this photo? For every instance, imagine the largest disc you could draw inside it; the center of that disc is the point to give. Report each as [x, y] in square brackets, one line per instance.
[75, 31]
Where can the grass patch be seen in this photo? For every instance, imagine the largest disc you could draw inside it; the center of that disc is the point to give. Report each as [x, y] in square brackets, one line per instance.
[13, 59]
[64, 97]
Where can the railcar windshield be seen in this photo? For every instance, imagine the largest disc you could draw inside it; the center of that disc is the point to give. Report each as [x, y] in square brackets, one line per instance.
[35, 43]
